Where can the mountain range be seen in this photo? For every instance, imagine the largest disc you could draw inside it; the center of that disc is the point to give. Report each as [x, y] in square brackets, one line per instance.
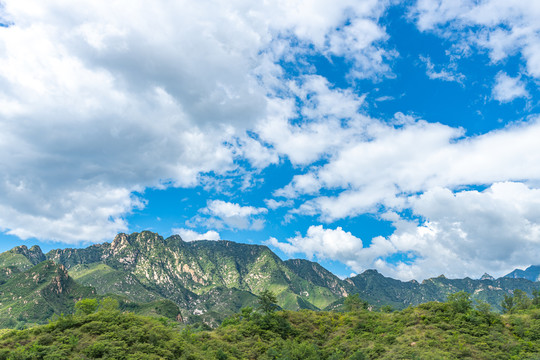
[206, 281]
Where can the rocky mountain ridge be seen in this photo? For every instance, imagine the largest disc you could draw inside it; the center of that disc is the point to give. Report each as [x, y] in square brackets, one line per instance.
[209, 280]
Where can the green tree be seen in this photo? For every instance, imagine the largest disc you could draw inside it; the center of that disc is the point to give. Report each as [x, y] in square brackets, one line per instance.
[246, 312]
[483, 307]
[508, 304]
[460, 301]
[354, 303]
[521, 300]
[86, 306]
[109, 304]
[536, 298]
[267, 302]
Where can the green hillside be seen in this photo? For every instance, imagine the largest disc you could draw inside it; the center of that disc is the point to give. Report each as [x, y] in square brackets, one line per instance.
[34, 295]
[450, 330]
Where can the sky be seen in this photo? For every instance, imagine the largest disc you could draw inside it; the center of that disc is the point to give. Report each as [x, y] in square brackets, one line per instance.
[402, 136]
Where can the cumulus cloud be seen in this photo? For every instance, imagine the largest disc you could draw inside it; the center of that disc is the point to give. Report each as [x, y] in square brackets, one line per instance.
[412, 165]
[502, 27]
[275, 204]
[221, 214]
[325, 110]
[334, 244]
[466, 233]
[412, 158]
[459, 233]
[507, 88]
[191, 235]
[97, 104]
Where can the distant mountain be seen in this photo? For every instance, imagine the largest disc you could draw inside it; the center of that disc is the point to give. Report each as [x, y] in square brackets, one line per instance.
[207, 281]
[21, 257]
[532, 273]
[144, 266]
[486, 276]
[379, 290]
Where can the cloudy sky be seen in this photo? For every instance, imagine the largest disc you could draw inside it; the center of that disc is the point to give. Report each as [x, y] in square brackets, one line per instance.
[397, 135]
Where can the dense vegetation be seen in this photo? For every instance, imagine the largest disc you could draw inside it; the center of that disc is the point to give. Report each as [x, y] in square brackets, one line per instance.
[208, 281]
[457, 328]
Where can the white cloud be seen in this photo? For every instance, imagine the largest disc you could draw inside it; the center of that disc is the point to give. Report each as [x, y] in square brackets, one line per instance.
[463, 233]
[275, 204]
[334, 244]
[82, 214]
[384, 98]
[123, 96]
[448, 74]
[357, 41]
[258, 155]
[467, 233]
[501, 27]
[324, 111]
[507, 88]
[221, 214]
[191, 235]
[396, 161]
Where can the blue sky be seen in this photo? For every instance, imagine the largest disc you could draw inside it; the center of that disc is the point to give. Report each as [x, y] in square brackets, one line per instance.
[395, 135]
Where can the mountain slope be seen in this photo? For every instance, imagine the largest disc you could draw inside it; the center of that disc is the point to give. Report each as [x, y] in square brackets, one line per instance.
[380, 290]
[21, 257]
[316, 274]
[34, 295]
[532, 273]
[210, 280]
[144, 265]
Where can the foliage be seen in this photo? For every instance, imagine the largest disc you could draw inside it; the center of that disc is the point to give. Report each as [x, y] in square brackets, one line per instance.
[86, 306]
[520, 301]
[354, 303]
[32, 289]
[432, 330]
[267, 302]
[460, 302]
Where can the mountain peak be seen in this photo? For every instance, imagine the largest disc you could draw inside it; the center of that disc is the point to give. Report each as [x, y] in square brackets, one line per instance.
[486, 276]
[532, 273]
[371, 272]
[34, 254]
[120, 241]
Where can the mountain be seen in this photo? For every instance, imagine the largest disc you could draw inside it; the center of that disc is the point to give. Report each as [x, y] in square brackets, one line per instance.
[317, 275]
[207, 281]
[21, 257]
[32, 295]
[532, 273]
[379, 290]
[486, 276]
[145, 266]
